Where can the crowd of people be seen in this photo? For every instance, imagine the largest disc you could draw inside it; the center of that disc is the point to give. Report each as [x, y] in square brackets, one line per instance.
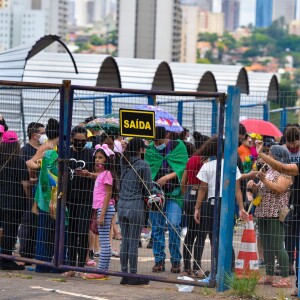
[109, 174]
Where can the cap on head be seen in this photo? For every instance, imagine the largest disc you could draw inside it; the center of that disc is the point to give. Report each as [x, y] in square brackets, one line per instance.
[9, 137]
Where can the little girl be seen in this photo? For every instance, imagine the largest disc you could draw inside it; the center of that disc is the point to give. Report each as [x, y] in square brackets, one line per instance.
[103, 200]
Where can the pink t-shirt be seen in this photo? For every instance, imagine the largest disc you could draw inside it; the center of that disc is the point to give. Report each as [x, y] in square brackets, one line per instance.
[102, 179]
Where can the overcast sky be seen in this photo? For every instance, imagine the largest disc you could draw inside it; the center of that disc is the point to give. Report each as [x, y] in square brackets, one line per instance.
[247, 10]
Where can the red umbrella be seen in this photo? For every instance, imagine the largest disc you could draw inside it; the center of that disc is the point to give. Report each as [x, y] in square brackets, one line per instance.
[261, 127]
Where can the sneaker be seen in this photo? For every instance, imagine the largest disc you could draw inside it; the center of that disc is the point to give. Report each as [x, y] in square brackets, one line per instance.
[150, 244]
[175, 267]
[137, 281]
[10, 265]
[159, 267]
[91, 254]
[124, 280]
[114, 253]
[261, 263]
[291, 270]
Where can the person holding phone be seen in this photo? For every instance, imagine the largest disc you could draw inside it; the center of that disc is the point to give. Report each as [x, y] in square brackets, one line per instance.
[275, 188]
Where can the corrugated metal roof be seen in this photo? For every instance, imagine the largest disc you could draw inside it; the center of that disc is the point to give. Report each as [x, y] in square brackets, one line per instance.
[225, 75]
[147, 74]
[93, 70]
[200, 80]
[264, 83]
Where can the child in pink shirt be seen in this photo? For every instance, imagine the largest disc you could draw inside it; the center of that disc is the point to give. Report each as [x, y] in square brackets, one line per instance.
[104, 202]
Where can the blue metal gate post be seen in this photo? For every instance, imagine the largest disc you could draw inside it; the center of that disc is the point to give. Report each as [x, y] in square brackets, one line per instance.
[215, 234]
[266, 111]
[283, 118]
[229, 183]
[65, 123]
[179, 111]
[214, 117]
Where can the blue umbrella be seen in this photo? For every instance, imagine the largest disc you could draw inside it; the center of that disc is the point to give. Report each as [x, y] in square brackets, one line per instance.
[162, 117]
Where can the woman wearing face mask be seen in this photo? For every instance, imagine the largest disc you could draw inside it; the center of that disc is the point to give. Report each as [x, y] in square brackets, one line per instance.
[79, 198]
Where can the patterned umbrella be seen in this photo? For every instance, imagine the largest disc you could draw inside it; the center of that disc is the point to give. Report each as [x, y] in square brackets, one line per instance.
[162, 118]
[110, 122]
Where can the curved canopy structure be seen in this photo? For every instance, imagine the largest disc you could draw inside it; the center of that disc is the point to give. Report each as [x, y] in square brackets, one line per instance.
[198, 81]
[264, 83]
[224, 76]
[145, 74]
[94, 70]
[13, 61]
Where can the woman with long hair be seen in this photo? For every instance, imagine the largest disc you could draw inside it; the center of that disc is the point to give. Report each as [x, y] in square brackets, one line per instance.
[13, 171]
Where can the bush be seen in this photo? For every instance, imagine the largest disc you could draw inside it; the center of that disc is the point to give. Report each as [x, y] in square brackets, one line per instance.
[243, 287]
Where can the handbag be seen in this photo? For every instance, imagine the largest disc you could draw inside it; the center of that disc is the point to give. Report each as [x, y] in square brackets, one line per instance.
[284, 214]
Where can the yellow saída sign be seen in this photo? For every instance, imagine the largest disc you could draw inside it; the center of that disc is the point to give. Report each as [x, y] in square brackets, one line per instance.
[138, 123]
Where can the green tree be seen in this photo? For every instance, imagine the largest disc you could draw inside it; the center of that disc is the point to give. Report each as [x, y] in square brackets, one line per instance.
[277, 30]
[207, 37]
[96, 40]
[229, 41]
[288, 91]
[82, 46]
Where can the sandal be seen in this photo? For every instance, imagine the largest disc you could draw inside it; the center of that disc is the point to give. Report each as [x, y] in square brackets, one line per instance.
[68, 274]
[117, 237]
[266, 281]
[295, 293]
[283, 283]
[94, 276]
[91, 263]
[198, 274]
[186, 272]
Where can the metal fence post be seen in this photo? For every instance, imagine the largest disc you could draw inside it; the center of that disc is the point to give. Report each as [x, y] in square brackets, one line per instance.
[215, 234]
[229, 184]
[283, 118]
[214, 117]
[266, 111]
[65, 123]
[179, 111]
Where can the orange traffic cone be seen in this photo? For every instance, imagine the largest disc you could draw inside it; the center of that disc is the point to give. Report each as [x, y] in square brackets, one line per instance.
[247, 261]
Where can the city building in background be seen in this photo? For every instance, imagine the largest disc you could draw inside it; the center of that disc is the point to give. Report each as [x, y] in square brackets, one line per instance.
[263, 13]
[22, 21]
[85, 13]
[211, 22]
[231, 10]
[149, 29]
[294, 27]
[270, 10]
[189, 36]
[284, 9]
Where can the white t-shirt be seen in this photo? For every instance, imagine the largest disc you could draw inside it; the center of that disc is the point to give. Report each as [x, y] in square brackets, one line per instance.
[207, 174]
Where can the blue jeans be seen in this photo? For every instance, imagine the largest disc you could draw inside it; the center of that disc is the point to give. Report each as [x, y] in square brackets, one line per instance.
[173, 213]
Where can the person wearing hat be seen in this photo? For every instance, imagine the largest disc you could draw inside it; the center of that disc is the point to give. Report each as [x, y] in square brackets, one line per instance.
[274, 188]
[135, 185]
[167, 159]
[12, 195]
